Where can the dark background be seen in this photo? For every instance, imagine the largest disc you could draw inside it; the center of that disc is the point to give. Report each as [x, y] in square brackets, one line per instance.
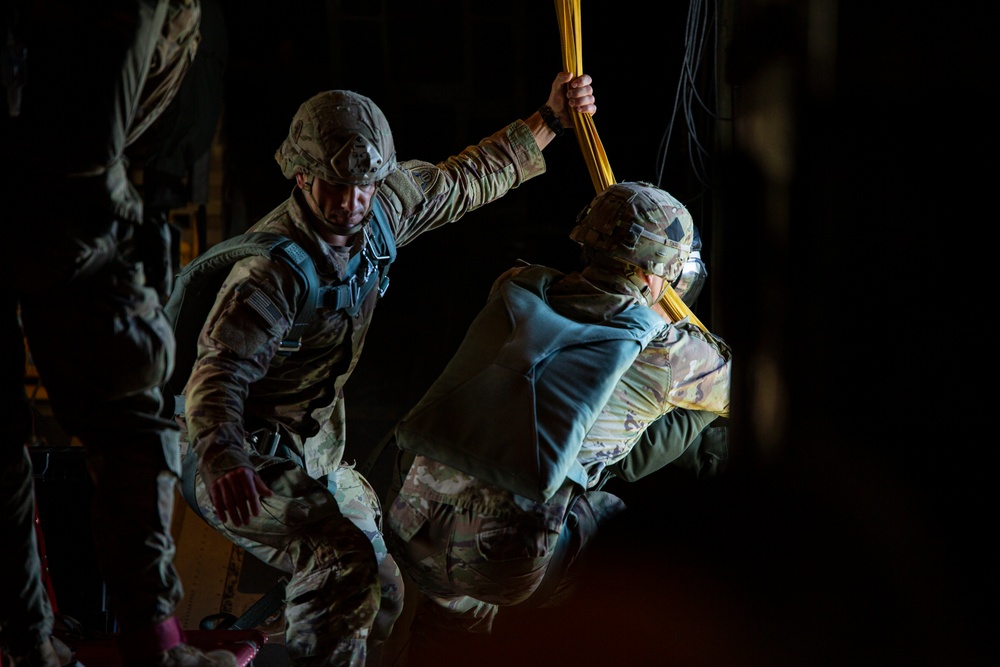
[843, 189]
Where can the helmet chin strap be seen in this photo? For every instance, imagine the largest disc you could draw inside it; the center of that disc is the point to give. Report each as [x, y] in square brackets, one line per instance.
[604, 267]
[631, 273]
[643, 286]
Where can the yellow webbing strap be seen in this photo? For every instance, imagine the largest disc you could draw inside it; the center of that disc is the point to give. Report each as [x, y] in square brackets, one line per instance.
[568, 13]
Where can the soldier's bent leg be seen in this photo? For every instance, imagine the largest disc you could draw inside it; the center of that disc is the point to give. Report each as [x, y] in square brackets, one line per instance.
[358, 502]
[132, 453]
[25, 611]
[585, 517]
[132, 456]
[333, 593]
[134, 481]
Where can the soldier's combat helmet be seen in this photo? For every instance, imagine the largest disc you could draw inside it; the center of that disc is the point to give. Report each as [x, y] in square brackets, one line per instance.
[639, 224]
[341, 137]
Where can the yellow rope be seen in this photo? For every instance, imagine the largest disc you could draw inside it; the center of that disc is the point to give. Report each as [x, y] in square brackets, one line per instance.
[568, 14]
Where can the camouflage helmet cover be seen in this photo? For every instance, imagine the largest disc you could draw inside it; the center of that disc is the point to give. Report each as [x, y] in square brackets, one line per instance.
[639, 224]
[341, 137]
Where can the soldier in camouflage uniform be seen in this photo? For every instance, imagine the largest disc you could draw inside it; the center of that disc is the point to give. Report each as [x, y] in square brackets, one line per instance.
[473, 546]
[76, 285]
[269, 430]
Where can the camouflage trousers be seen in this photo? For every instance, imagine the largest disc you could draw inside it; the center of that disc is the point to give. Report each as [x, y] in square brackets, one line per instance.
[333, 597]
[101, 346]
[359, 502]
[468, 563]
[25, 610]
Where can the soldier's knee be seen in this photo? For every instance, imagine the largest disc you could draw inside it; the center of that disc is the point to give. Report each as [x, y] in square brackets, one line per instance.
[336, 603]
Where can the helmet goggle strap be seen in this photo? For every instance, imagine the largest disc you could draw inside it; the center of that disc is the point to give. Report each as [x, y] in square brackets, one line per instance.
[637, 231]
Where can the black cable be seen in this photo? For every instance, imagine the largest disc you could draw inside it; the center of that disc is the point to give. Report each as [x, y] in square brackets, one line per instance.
[700, 17]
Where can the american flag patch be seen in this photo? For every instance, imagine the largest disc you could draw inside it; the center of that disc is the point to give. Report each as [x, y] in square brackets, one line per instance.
[263, 305]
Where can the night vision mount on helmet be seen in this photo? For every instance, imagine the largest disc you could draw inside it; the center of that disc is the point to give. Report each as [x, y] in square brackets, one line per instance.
[639, 224]
[341, 137]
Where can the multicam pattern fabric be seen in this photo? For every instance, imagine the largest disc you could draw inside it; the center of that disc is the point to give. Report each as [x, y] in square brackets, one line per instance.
[470, 546]
[302, 531]
[495, 554]
[359, 502]
[638, 223]
[686, 368]
[239, 383]
[339, 136]
[303, 392]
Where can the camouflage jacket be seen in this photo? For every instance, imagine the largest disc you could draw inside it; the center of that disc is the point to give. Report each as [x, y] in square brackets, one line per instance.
[682, 367]
[238, 384]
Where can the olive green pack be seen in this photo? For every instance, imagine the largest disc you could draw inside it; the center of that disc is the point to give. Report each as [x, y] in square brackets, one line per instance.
[515, 402]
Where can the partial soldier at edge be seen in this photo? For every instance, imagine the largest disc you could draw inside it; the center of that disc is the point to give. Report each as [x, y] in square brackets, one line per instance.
[80, 285]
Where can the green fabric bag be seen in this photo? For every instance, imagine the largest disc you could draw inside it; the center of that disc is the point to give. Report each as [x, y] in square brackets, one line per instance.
[513, 405]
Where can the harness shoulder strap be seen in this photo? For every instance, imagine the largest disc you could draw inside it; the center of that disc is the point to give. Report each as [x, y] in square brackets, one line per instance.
[380, 251]
[302, 263]
[197, 284]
